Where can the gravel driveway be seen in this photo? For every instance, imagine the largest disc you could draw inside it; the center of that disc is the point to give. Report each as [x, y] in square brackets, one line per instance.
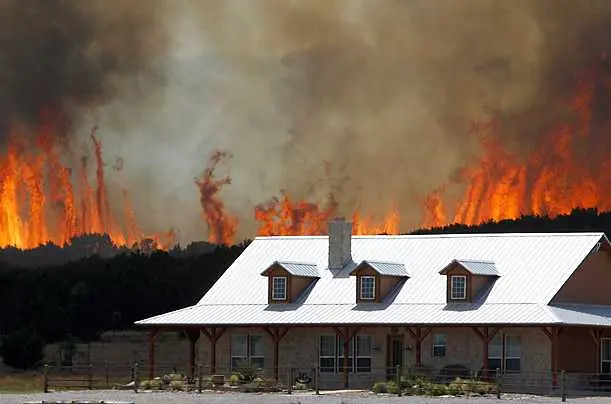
[276, 398]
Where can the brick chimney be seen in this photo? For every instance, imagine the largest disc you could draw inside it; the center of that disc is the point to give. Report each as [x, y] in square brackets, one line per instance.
[340, 243]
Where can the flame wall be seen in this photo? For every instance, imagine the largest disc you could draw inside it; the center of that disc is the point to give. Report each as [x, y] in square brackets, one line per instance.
[370, 100]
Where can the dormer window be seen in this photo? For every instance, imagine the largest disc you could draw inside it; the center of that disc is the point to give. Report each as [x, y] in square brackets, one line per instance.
[377, 280]
[459, 287]
[287, 281]
[469, 280]
[368, 287]
[279, 288]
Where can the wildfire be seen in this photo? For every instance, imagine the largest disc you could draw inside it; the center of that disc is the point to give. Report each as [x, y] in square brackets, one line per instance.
[553, 179]
[221, 225]
[39, 204]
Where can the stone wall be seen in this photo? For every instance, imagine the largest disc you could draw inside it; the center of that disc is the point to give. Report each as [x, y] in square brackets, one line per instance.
[299, 349]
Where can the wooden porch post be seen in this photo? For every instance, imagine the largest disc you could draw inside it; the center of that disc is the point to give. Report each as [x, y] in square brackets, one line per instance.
[418, 335]
[213, 334]
[152, 335]
[486, 334]
[347, 333]
[277, 334]
[597, 334]
[553, 333]
[193, 334]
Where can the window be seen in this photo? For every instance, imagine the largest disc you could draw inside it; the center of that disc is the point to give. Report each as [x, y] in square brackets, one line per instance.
[605, 355]
[495, 353]
[504, 353]
[340, 355]
[327, 353]
[458, 287]
[331, 354]
[368, 287]
[513, 352]
[247, 349]
[279, 288]
[363, 353]
[439, 346]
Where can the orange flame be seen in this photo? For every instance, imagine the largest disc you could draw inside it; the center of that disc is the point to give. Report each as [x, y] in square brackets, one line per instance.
[221, 225]
[553, 179]
[285, 217]
[38, 202]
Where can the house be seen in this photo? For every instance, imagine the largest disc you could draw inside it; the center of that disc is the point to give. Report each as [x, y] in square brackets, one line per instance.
[355, 307]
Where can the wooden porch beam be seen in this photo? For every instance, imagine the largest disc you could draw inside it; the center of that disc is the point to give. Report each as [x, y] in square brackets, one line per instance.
[276, 333]
[418, 334]
[152, 336]
[486, 334]
[553, 334]
[193, 335]
[597, 334]
[213, 334]
[347, 333]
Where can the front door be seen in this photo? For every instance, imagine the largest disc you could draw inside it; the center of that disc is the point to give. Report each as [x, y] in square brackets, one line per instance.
[395, 353]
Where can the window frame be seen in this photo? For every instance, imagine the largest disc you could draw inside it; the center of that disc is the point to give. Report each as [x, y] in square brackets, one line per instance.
[285, 289]
[373, 287]
[504, 357]
[356, 356]
[249, 356]
[436, 345]
[453, 287]
[506, 354]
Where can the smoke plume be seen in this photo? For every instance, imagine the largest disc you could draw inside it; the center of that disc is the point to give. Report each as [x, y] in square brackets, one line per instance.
[59, 56]
[369, 99]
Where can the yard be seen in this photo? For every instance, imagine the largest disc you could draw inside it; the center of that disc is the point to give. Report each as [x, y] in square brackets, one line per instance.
[271, 398]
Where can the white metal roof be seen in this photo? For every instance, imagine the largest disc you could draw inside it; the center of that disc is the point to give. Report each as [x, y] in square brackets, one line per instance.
[484, 268]
[387, 268]
[298, 269]
[533, 267]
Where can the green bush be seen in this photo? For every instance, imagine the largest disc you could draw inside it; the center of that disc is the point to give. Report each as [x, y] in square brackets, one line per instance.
[246, 371]
[22, 349]
[392, 387]
[234, 379]
[177, 385]
[155, 384]
[379, 387]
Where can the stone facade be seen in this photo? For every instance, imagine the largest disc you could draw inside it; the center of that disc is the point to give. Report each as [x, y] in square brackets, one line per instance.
[299, 349]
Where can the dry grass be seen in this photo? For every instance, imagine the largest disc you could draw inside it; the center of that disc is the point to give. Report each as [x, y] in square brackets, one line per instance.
[20, 382]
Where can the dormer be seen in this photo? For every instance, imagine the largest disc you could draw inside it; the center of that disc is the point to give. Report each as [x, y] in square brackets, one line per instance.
[375, 280]
[466, 279]
[287, 280]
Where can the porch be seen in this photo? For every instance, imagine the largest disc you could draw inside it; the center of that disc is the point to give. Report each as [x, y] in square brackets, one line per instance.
[358, 356]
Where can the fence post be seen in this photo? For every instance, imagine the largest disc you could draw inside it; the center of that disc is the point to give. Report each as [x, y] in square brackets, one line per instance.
[398, 379]
[106, 374]
[199, 377]
[136, 377]
[90, 377]
[290, 381]
[45, 378]
[563, 385]
[497, 379]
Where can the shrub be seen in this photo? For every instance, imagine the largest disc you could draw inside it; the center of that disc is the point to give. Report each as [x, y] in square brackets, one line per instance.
[234, 379]
[155, 384]
[246, 371]
[380, 387]
[177, 385]
[392, 387]
[22, 349]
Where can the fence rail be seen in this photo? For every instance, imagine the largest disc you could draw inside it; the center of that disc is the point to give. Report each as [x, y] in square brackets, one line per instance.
[408, 380]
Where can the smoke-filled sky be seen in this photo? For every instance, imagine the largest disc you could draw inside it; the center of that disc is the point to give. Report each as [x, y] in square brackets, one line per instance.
[383, 90]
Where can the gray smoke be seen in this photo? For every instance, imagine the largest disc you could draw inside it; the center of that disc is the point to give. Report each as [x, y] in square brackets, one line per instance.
[371, 99]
